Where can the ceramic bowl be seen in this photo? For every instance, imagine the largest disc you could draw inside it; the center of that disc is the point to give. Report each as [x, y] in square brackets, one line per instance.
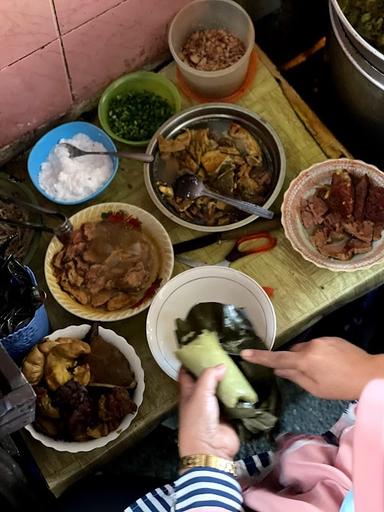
[79, 331]
[150, 226]
[302, 187]
[42, 148]
[204, 284]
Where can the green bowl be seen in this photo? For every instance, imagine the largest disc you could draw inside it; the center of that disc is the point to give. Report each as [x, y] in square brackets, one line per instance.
[138, 81]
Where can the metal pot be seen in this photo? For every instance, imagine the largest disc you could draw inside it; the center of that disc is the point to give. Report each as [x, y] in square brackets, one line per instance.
[359, 82]
[371, 54]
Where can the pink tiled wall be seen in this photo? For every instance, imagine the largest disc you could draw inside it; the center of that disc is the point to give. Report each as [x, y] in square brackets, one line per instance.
[55, 53]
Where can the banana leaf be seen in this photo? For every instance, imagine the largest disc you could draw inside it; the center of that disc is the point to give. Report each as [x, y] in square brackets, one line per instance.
[236, 333]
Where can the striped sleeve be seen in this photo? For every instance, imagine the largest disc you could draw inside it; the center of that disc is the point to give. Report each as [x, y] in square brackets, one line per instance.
[198, 489]
[207, 489]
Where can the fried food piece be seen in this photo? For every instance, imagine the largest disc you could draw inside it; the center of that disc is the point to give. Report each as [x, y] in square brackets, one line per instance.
[49, 426]
[212, 160]
[82, 374]
[70, 348]
[33, 366]
[57, 371]
[114, 406]
[44, 403]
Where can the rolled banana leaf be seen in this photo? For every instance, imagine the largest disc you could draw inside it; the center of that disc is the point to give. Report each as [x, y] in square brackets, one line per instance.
[232, 332]
[234, 388]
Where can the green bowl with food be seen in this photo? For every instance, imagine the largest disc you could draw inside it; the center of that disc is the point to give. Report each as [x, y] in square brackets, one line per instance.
[134, 106]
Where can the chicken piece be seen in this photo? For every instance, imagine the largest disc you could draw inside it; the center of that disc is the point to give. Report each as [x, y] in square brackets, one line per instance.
[245, 142]
[100, 298]
[57, 260]
[89, 230]
[77, 236]
[74, 250]
[44, 403]
[120, 300]
[179, 143]
[48, 426]
[135, 279]
[100, 430]
[79, 294]
[74, 278]
[212, 160]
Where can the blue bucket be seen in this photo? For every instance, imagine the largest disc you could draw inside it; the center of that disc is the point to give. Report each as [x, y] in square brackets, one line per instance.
[20, 342]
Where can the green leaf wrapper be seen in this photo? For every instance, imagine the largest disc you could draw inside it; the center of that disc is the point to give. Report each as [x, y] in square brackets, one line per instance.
[230, 329]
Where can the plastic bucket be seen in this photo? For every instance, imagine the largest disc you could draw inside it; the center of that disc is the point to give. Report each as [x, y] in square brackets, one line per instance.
[204, 14]
[19, 343]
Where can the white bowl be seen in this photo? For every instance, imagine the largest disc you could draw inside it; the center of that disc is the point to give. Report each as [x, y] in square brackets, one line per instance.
[204, 284]
[151, 227]
[79, 331]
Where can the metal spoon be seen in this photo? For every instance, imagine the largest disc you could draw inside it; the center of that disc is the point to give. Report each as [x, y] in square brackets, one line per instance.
[188, 186]
[75, 152]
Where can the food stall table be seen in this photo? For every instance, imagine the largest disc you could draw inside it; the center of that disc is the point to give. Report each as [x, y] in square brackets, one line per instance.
[303, 293]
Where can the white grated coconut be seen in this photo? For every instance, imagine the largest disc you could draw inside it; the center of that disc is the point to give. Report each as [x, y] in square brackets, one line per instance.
[72, 179]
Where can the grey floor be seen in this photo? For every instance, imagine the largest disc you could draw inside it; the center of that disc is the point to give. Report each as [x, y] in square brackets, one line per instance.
[157, 455]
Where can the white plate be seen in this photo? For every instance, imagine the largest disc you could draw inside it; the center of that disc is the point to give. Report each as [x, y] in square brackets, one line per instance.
[79, 331]
[204, 284]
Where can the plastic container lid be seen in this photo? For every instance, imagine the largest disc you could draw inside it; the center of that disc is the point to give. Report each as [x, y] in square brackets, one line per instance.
[205, 14]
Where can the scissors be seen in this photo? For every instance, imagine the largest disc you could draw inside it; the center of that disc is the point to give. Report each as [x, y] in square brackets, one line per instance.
[245, 245]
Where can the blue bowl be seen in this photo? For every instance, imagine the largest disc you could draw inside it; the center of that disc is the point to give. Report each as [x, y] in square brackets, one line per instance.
[43, 147]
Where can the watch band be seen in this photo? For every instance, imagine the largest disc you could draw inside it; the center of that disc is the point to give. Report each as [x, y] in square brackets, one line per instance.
[211, 461]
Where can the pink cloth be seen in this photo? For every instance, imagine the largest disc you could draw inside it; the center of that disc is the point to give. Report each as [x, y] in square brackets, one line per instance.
[308, 474]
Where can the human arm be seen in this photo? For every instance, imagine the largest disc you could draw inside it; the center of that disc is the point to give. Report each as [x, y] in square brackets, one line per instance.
[327, 367]
[200, 432]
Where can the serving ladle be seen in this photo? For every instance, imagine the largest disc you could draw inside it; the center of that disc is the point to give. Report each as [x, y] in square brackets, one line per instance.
[188, 186]
[75, 152]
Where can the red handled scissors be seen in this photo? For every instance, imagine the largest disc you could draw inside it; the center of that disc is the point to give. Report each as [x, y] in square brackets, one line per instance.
[250, 244]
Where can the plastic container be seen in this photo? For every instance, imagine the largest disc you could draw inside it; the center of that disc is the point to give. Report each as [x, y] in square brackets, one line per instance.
[20, 342]
[138, 81]
[204, 14]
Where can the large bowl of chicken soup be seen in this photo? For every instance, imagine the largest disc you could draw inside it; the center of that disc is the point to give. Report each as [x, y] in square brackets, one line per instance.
[117, 258]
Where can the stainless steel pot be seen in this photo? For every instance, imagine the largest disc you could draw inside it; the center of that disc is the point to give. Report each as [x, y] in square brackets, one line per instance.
[360, 84]
[371, 54]
[217, 117]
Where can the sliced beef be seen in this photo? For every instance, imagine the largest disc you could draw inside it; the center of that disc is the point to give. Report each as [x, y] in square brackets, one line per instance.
[320, 237]
[361, 191]
[374, 206]
[361, 230]
[377, 231]
[307, 217]
[359, 246]
[339, 251]
[318, 208]
[341, 195]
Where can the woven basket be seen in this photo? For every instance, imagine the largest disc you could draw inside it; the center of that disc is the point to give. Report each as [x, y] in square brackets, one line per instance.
[19, 343]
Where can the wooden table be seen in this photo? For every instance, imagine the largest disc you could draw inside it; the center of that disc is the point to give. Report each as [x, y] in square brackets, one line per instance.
[303, 292]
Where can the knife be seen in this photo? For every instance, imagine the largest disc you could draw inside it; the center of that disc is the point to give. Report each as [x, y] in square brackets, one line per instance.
[203, 241]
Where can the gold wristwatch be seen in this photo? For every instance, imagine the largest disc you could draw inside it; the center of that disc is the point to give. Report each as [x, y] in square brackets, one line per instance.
[210, 461]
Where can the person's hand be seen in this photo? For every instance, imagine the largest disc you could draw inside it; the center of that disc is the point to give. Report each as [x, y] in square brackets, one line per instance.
[200, 428]
[327, 367]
